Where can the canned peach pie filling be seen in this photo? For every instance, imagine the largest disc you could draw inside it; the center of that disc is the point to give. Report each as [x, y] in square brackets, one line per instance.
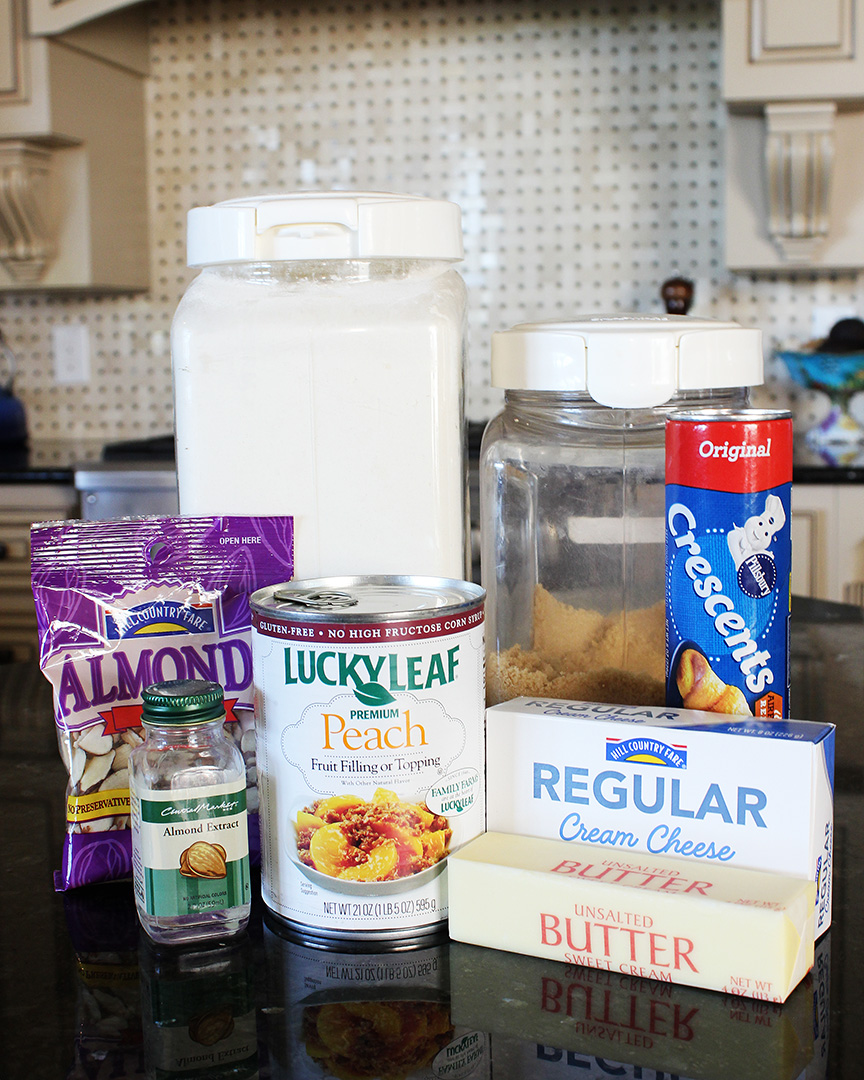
[369, 708]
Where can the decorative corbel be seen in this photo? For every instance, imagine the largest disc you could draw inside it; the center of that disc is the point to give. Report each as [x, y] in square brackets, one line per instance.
[26, 247]
[799, 161]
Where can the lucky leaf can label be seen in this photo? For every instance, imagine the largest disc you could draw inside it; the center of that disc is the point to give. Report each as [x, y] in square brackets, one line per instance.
[728, 561]
[369, 711]
[191, 849]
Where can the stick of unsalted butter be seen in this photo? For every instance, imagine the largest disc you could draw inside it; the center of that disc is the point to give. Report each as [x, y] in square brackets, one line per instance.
[719, 927]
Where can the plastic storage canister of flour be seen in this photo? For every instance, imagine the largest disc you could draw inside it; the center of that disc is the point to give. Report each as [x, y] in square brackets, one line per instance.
[318, 372]
[572, 496]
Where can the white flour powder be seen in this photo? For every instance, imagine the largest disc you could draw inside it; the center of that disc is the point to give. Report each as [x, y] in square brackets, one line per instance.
[337, 401]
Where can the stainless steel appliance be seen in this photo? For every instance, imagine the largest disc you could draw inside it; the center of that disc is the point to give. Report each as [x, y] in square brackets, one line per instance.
[115, 489]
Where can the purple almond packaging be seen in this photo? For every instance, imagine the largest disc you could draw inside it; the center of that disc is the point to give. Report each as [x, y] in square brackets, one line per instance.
[120, 605]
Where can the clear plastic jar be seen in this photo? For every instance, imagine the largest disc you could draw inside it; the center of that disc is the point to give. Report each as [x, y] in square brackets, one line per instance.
[572, 496]
[318, 372]
[190, 841]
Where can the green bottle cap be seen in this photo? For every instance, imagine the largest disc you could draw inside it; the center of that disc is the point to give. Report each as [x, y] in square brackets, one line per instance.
[182, 702]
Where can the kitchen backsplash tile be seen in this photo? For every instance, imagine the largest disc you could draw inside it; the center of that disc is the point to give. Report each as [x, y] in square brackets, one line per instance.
[583, 142]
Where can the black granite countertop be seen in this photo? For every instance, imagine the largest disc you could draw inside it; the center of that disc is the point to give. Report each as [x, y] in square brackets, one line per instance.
[54, 461]
[50, 461]
[82, 995]
[811, 467]
[825, 474]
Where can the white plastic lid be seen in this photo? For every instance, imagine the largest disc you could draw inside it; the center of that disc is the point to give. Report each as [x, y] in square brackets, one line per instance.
[627, 361]
[323, 225]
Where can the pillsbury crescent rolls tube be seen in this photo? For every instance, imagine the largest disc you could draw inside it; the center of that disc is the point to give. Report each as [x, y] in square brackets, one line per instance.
[728, 561]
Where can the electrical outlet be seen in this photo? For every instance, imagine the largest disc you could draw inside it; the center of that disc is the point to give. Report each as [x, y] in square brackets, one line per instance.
[71, 354]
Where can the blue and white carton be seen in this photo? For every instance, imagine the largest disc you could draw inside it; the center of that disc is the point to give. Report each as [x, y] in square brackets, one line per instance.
[722, 789]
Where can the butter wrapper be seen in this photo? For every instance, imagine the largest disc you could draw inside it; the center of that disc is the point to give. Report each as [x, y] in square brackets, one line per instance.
[726, 790]
[739, 932]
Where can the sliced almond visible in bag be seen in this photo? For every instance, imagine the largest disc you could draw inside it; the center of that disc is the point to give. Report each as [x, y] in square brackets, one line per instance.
[77, 764]
[95, 771]
[115, 780]
[94, 740]
[121, 755]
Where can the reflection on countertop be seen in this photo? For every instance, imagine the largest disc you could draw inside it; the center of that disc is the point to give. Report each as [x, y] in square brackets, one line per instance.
[83, 994]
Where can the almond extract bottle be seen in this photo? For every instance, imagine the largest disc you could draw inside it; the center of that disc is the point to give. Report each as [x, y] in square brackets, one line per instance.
[190, 845]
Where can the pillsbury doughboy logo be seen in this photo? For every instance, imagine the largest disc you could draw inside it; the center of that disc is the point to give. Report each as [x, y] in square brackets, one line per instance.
[748, 545]
[646, 751]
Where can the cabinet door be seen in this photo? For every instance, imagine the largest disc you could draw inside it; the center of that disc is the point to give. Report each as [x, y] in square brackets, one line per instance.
[20, 505]
[54, 16]
[12, 58]
[852, 547]
[812, 513]
[73, 199]
[793, 82]
[775, 50]
[828, 541]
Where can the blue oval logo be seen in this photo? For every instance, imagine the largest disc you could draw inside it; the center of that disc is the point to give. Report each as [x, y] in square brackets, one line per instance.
[757, 575]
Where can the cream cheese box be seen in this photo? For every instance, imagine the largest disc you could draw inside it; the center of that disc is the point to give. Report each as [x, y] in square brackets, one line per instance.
[727, 790]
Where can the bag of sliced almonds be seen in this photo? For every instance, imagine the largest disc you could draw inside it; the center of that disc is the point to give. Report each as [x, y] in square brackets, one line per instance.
[121, 605]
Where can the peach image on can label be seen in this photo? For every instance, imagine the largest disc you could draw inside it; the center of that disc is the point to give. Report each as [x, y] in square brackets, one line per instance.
[369, 704]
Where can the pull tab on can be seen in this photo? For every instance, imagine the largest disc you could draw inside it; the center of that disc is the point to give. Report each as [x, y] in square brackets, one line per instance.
[320, 599]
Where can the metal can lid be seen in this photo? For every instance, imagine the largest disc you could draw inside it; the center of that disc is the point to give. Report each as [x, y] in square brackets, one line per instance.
[180, 702]
[710, 416]
[358, 598]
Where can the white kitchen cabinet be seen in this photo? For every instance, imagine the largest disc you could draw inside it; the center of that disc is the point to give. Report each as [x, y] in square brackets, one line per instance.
[53, 17]
[792, 50]
[73, 196]
[20, 506]
[828, 541]
[793, 82]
